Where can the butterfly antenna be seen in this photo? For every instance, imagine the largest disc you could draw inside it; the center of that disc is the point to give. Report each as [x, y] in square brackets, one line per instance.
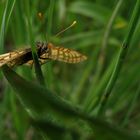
[74, 22]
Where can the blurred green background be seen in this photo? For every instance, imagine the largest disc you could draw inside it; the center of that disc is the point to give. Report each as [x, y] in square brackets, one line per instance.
[99, 33]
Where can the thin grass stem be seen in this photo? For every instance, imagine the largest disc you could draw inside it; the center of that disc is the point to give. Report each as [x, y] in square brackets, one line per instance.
[131, 107]
[121, 58]
[38, 70]
[102, 55]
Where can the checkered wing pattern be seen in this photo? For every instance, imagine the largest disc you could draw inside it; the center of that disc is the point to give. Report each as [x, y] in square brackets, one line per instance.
[12, 58]
[63, 54]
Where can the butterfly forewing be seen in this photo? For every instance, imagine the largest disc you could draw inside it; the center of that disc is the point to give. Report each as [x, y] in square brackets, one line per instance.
[64, 54]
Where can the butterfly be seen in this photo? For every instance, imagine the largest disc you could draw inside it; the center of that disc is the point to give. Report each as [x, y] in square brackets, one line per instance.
[45, 51]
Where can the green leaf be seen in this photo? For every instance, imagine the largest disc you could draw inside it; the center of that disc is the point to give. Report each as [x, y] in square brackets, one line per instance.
[38, 101]
[54, 131]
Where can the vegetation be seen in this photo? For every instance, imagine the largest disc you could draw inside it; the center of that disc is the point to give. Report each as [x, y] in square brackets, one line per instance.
[96, 99]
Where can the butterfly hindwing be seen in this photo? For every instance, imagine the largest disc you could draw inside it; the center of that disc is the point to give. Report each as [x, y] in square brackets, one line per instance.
[11, 58]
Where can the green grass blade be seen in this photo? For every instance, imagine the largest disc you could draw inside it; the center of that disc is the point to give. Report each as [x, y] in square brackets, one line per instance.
[122, 55]
[38, 70]
[6, 16]
[37, 98]
[41, 104]
[105, 42]
[101, 61]
[131, 107]
[50, 19]
[54, 130]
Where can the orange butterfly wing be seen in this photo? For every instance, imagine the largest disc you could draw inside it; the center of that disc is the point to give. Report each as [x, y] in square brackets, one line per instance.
[63, 54]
